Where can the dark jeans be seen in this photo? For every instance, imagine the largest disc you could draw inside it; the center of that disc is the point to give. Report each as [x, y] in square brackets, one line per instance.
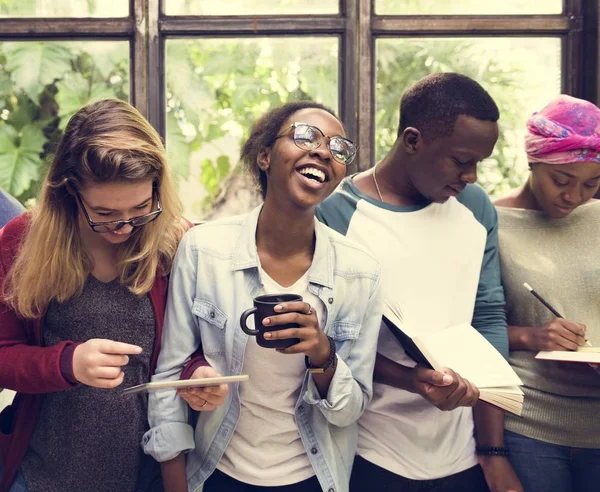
[219, 482]
[367, 477]
[542, 466]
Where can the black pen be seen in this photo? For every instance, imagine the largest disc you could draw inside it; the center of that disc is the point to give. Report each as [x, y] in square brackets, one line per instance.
[545, 303]
[542, 300]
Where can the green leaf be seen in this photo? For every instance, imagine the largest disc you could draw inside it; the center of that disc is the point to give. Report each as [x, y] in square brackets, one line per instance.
[23, 113]
[74, 92]
[223, 167]
[107, 56]
[33, 65]
[178, 149]
[208, 177]
[5, 84]
[19, 157]
[182, 81]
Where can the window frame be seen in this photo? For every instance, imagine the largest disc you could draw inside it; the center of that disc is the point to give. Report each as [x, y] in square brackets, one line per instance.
[357, 26]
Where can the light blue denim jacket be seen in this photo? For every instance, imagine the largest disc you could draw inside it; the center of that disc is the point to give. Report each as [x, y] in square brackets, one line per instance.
[215, 276]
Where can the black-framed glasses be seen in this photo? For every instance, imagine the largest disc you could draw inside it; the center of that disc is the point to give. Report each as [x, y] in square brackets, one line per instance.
[115, 225]
[309, 137]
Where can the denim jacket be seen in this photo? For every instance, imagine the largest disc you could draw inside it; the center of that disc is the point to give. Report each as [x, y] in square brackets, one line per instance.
[215, 276]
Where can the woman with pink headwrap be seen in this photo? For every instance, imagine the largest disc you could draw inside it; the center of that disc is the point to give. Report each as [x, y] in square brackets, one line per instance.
[549, 236]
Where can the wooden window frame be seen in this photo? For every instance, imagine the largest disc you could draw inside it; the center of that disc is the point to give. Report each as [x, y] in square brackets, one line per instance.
[356, 25]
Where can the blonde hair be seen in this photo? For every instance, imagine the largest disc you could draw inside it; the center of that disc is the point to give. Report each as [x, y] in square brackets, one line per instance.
[106, 141]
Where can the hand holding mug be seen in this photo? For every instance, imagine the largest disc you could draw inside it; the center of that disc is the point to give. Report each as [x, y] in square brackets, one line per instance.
[264, 307]
[311, 339]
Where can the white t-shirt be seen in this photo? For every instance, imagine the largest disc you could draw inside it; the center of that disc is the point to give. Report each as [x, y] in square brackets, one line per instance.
[266, 448]
[431, 260]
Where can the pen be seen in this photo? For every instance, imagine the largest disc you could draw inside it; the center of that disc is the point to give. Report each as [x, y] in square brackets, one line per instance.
[545, 303]
[542, 300]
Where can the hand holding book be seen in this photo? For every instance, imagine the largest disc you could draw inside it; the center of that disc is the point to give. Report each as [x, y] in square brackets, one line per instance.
[446, 390]
[468, 353]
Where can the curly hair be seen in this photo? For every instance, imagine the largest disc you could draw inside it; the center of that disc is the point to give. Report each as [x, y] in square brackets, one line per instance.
[263, 134]
[434, 103]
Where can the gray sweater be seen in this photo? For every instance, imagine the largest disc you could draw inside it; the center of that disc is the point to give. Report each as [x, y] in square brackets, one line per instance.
[559, 258]
[89, 439]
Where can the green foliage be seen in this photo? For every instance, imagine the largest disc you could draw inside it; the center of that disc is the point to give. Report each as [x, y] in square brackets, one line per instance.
[19, 157]
[216, 89]
[41, 85]
[400, 63]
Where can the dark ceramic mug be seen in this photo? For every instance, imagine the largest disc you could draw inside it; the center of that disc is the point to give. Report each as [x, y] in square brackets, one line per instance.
[264, 308]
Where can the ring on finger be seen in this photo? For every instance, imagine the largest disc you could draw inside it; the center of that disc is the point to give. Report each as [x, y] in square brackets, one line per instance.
[309, 309]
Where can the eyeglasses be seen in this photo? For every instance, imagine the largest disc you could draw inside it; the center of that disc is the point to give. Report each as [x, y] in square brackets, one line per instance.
[308, 137]
[115, 225]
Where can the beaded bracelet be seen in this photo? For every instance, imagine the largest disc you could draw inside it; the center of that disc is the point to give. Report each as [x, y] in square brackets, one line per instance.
[492, 451]
[330, 362]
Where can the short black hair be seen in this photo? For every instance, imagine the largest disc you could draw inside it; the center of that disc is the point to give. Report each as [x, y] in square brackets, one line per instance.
[433, 104]
[264, 133]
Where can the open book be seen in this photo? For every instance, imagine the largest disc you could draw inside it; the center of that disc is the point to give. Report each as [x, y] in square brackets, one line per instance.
[464, 350]
[589, 355]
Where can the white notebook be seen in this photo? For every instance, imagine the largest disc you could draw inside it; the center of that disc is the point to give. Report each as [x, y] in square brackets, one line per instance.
[589, 355]
[466, 351]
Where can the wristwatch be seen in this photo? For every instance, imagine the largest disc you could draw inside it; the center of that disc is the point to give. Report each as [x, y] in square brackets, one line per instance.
[330, 362]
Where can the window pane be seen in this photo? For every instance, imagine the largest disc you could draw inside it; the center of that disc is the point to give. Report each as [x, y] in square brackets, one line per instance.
[216, 88]
[521, 74]
[244, 7]
[64, 8]
[467, 7]
[41, 85]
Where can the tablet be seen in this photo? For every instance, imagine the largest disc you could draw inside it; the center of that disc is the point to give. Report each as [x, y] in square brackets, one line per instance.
[185, 383]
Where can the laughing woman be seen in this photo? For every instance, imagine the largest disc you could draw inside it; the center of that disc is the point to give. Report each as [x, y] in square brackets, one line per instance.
[83, 295]
[291, 427]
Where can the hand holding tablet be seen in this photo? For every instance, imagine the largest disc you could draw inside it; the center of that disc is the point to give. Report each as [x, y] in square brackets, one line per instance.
[187, 383]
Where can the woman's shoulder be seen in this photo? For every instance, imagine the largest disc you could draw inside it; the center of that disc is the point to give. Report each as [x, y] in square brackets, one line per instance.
[218, 234]
[11, 238]
[510, 200]
[13, 232]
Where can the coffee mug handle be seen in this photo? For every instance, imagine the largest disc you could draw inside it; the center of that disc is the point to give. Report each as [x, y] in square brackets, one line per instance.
[243, 319]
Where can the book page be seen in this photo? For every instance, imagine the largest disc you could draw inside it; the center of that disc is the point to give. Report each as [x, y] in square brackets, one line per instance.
[464, 350]
[587, 356]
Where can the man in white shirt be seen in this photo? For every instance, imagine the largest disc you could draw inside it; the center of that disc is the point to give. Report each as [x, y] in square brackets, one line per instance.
[435, 235]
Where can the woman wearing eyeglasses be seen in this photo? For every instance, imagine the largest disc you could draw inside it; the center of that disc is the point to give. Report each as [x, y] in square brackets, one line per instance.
[291, 427]
[81, 309]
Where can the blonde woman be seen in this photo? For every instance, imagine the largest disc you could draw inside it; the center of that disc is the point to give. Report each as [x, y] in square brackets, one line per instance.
[81, 308]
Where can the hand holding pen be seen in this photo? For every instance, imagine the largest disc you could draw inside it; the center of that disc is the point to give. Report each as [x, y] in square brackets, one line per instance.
[558, 334]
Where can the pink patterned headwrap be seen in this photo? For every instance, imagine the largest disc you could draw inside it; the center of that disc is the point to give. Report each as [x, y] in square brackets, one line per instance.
[565, 131]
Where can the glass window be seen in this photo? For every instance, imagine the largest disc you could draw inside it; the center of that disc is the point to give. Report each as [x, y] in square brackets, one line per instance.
[244, 7]
[41, 85]
[467, 7]
[521, 74]
[216, 88]
[64, 8]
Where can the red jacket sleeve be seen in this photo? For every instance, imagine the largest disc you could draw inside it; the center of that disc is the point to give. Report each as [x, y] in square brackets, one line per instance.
[25, 367]
[197, 360]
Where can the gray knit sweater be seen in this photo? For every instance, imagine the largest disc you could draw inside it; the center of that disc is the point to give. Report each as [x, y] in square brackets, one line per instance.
[560, 259]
